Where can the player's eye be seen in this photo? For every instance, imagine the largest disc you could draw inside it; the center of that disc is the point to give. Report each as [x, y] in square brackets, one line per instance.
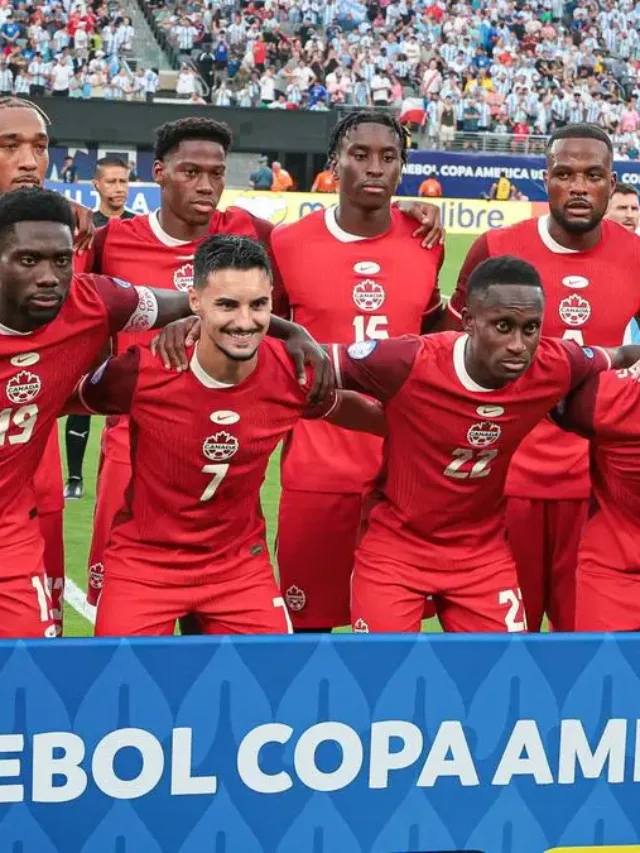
[531, 328]
[27, 260]
[63, 263]
[502, 326]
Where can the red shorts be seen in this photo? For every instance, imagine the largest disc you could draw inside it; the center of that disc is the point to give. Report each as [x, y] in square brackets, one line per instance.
[243, 599]
[389, 596]
[317, 537]
[544, 537]
[607, 599]
[113, 479]
[25, 595]
[47, 481]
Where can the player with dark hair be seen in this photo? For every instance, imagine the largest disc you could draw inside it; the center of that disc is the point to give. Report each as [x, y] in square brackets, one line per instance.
[53, 327]
[111, 183]
[350, 273]
[24, 160]
[190, 538]
[581, 256]
[190, 168]
[457, 406]
[624, 207]
[606, 411]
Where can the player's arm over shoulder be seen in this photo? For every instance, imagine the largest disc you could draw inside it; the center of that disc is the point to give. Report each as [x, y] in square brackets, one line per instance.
[350, 410]
[111, 388]
[576, 412]
[478, 253]
[376, 368]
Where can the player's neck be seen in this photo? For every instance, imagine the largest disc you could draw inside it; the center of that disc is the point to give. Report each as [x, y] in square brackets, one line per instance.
[178, 228]
[577, 242]
[12, 321]
[110, 213]
[363, 223]
[220, 367]
[478, 373]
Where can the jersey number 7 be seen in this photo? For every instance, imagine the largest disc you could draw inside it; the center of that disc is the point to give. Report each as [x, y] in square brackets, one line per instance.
[219, 472]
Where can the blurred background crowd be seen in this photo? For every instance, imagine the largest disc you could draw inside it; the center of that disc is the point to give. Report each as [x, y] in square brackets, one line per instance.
[521, 68]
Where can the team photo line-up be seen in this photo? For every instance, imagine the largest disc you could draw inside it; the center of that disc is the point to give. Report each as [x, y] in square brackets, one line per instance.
[474, 461]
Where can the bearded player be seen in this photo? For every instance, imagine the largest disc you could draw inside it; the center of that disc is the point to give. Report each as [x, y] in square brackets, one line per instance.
[589, 271]
[351, 273]
[606, 411]
[457, 406]
[190, 168]
[191, 536]
[24, 160]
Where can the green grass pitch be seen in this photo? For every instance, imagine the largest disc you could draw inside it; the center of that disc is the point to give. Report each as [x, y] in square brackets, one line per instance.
[78, 514]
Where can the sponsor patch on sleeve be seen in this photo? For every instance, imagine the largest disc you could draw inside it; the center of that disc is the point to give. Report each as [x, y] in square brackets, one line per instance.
[588, 352]
[363, 349]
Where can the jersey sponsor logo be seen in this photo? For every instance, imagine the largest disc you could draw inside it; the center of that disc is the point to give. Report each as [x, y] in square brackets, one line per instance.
[25, 359]
[574, 310]
[96, 576]
[23, 387]
[220, 447]
[368, 295]
[360, 627]
[366, 268]
[224, 416]
[575, 282]
[183, 277]
[295, 598]
[361, 350]
[121, 283]
[483, 434]
[490, 411]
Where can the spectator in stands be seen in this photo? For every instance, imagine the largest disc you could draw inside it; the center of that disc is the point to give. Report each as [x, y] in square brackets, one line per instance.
[325, 182]
[69, 172]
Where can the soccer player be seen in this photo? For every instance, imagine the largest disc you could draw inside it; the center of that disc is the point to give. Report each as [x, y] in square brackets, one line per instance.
[457, 406]
[589, 270]
[606, 411]
[24, 160]
[624, 207]
[349, 273]
[191, 536]
[53, 328]
[111, 183]
[190, 168]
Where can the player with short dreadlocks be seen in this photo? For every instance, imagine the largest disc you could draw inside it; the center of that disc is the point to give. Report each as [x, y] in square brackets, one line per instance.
[24, 160]
[352, 274]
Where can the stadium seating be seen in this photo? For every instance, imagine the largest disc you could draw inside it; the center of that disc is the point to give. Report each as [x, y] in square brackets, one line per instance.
[471, 66]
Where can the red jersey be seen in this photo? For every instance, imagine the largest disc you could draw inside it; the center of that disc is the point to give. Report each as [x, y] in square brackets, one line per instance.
[199, 452]
[580, 306]
[38, 372]
[140, 251]
[450, 441]
[348, 289]
[606, 410]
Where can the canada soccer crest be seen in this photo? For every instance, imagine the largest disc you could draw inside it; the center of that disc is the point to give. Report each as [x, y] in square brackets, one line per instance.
[483, 434]
[368, 295]
[183, 277]
[220, 447]
[23, 387]
[575, 310]
[295, 598]
[96, 576]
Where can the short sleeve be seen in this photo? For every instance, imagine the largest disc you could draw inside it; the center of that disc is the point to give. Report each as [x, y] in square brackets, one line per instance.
[585, 362]
[436, 297]
[128, 308]
[377, 368]
[577, 411]
[478, 253]
[110, 389]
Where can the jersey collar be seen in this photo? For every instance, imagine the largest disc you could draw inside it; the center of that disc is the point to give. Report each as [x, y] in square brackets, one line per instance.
[160, 234]
[459, 366]
[201, 374]
[335, 230]
[5, 330]
[547, 239]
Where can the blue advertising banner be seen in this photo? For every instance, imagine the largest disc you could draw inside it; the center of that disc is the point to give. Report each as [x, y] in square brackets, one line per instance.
[320, 744]
[464, 175]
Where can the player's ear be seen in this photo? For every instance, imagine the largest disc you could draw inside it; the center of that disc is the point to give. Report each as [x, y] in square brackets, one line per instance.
[466, 320]
[194, 300]
[158, 171]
